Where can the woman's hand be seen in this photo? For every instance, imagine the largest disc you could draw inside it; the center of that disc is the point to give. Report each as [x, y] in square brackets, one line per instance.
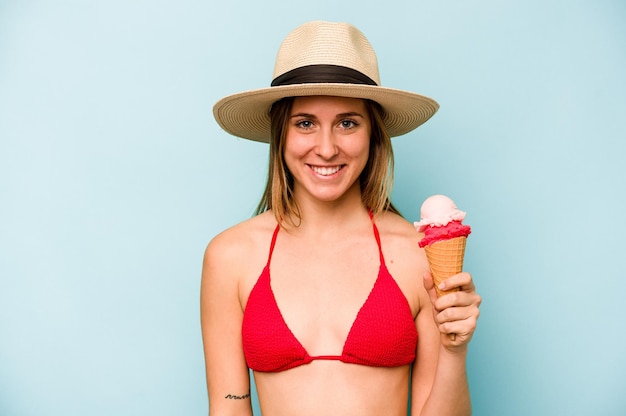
[455, 314]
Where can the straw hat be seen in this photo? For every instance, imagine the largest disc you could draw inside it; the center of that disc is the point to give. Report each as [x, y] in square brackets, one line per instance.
[322, 58]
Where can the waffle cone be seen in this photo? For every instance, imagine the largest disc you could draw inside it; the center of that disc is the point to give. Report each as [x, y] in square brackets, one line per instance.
[445, 259]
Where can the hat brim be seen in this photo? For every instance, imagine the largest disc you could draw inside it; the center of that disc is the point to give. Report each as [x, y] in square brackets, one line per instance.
[246, 114]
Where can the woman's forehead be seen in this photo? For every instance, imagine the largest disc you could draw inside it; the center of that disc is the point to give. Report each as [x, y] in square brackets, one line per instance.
[328, 104]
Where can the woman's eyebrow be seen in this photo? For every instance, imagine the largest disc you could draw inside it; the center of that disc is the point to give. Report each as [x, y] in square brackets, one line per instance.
[340, 115]
[350, 114]
[307, 115]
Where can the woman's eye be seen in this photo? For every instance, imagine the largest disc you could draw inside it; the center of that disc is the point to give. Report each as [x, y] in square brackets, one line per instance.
[348, 124]
[304, 124]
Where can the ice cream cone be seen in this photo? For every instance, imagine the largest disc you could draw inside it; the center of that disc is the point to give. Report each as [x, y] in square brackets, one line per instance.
[445, 259]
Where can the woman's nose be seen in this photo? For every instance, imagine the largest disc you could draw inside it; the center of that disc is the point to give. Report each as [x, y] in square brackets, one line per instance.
[326, 145]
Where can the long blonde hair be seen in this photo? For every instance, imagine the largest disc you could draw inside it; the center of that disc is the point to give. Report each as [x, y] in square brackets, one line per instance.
[376, 180]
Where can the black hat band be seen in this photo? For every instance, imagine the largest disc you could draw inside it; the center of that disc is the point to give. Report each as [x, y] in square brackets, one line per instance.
[317, 74]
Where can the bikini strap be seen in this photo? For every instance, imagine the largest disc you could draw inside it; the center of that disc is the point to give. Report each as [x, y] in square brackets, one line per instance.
[269, 257]
[377, 235]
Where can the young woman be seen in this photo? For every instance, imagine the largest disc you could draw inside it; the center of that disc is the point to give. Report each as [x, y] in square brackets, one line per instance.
[325, 294]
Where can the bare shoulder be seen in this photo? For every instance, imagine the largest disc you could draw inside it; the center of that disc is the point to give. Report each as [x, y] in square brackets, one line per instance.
[398, 233]
[236, 250]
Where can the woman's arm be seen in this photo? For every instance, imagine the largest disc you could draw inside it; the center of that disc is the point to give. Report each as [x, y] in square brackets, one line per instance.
[228, 380]
[440, 385]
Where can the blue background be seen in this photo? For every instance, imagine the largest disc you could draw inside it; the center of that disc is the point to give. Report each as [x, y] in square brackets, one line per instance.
[114, 176]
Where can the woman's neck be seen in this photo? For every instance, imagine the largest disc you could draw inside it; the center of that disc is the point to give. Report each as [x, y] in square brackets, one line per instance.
[321, 216]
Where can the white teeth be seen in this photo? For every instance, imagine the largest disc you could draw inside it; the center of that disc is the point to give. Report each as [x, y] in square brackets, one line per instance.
[325, 170]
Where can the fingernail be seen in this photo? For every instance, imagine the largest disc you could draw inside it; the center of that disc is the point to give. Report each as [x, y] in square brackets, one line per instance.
[442, 285]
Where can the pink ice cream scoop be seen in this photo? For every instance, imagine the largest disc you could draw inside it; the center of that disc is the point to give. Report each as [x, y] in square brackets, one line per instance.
[441, 220]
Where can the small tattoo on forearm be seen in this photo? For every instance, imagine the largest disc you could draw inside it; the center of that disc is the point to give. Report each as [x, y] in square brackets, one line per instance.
[235, 397]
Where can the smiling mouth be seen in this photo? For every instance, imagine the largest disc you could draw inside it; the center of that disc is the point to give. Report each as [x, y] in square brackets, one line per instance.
[326, 170]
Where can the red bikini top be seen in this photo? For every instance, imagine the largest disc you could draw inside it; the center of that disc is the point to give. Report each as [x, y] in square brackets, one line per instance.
[383, 333]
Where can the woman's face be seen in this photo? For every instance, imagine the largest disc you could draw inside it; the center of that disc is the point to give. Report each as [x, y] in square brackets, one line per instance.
[327, 145]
